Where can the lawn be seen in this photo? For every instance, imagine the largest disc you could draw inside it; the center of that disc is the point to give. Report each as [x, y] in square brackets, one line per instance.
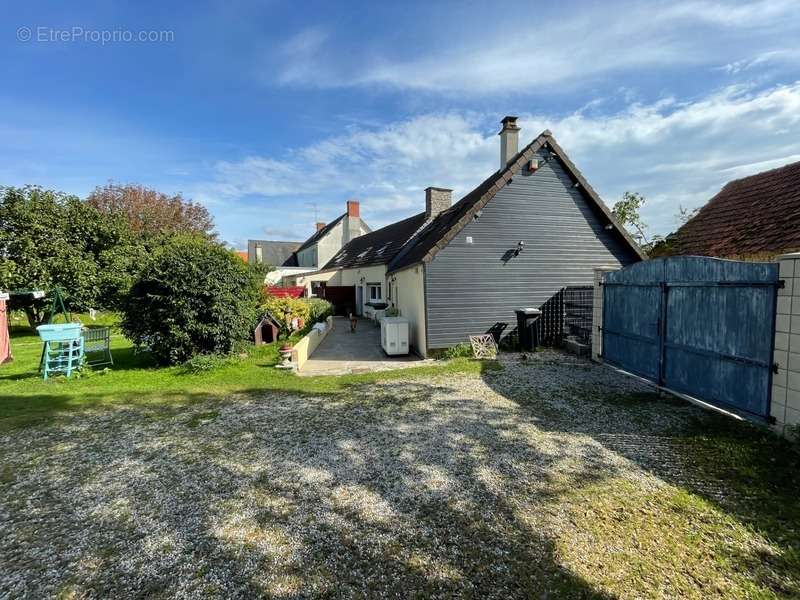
[550, 477]
[135, 380]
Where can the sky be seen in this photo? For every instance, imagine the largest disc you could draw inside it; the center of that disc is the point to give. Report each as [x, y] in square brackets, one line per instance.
[273, 114]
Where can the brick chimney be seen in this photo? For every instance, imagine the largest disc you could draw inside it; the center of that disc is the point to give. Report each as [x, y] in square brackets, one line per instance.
[509, 140]
[353, 221]
[436, 200]
[320, 226]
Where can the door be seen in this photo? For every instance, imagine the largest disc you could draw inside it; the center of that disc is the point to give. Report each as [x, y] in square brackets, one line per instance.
[359, 300]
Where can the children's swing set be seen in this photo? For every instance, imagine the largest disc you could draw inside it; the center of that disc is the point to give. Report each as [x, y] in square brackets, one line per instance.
[66, 345]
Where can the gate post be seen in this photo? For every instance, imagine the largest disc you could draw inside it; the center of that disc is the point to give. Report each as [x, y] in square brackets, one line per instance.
[785, 405]
[597, 312]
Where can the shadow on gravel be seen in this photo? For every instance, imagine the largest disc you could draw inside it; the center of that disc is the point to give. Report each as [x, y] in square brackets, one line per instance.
[394, 489]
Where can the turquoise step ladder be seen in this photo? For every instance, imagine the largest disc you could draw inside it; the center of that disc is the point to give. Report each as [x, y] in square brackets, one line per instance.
[63, 348]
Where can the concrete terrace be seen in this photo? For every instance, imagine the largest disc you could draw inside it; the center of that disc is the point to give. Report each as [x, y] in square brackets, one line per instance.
[343, 352]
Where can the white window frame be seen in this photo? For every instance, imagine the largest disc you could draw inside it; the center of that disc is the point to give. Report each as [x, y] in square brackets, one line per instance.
[370, 288]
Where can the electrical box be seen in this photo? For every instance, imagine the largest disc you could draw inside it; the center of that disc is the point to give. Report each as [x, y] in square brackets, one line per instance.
[394, 335]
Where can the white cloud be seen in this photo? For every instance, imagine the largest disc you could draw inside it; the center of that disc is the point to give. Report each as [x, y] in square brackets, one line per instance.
[675, 152]
[575, 49]
[761, 60]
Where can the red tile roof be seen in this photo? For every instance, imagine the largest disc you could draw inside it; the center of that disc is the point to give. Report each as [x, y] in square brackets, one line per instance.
[755, 215]
[242, 254]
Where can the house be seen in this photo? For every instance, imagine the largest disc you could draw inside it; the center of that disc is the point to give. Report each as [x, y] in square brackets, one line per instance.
[757, 218]
[532, 227]
[294, 258]
[269, 252]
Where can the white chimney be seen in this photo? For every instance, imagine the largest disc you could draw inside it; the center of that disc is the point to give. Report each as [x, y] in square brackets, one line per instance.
[509, 140]
[436, 200]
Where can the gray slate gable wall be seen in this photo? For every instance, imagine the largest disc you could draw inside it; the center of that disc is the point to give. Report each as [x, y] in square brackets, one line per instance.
[469, 288]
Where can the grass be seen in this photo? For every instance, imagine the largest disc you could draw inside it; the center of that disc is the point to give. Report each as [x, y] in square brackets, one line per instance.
[724, 524]
[134, 379]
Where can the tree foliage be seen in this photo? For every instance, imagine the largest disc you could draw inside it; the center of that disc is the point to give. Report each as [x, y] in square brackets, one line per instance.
[626, 212]
[151, 213]
[50, 239]
[193, 297]
[685, 215]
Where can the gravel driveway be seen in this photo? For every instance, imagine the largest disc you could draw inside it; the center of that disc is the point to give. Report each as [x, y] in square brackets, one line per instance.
[420, 487]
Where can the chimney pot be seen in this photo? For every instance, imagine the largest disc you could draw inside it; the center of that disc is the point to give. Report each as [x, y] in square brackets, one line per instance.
[436, 201]
[320, 226]
[353, 208]
[509, 140]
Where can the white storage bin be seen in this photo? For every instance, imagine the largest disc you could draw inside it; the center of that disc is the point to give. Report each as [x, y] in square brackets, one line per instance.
[394, 335]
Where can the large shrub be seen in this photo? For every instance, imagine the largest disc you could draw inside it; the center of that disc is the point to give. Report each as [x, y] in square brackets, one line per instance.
[193, 297]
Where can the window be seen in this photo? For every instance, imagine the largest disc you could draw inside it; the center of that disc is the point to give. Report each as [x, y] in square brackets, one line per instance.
[374, 291]
[259, 254]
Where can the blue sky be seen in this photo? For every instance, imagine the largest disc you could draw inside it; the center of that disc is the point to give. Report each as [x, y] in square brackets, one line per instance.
[269, 111]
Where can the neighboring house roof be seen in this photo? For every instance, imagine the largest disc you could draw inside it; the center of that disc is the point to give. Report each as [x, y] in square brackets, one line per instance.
[242, 254]
[276, 253]
[377, 247]
[438, 233]
[318, 235]
[754, 215]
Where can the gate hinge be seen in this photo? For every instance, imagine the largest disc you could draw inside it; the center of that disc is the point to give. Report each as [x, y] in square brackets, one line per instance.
[771, 420]
[775, 367]
[781, 283]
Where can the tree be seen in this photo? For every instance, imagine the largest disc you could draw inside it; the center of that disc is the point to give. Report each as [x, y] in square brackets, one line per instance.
[50, 239]
[685, 215]
[151, 213]
[626, 212]
[193, 297]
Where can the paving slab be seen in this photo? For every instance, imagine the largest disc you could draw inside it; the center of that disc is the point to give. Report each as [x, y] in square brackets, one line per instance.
[343, 352]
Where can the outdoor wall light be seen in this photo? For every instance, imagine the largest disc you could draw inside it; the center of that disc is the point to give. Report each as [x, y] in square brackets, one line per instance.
[520, 248]
[477, 215]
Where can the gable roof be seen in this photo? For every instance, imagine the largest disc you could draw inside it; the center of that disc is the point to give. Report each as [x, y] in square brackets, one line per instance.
[438, 233]
[276, 253]
[753, 215]
[321, 233]
[377, 247]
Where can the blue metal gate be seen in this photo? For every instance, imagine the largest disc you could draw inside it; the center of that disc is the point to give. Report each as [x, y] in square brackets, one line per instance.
[696, 325]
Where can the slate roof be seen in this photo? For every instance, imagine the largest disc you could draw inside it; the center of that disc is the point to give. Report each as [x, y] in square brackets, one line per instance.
[759, 214]
[377, 247]
[276, 253]
[411, 241]
[437, 234]
[318, 235]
